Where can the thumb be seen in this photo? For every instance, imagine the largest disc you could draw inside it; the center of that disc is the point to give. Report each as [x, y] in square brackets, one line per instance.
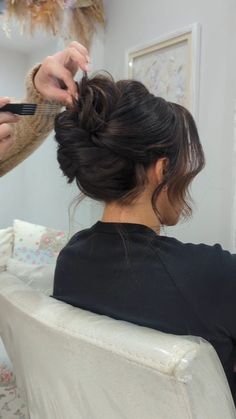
[4, 101]
[59, 95]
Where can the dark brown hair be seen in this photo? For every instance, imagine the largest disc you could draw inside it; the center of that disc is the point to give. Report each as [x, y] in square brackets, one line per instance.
[116, 131]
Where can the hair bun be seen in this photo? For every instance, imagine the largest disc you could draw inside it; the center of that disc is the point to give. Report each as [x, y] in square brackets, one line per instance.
[70, 138]
[92, 145]
[115, 131]
[97, 100]
[78, 129]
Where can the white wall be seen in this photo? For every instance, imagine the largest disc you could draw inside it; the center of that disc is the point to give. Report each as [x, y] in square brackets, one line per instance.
[40, 194]
[12, 74]
[131, 23]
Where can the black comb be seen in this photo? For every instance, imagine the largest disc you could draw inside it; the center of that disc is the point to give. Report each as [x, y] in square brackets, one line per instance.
[30, 108]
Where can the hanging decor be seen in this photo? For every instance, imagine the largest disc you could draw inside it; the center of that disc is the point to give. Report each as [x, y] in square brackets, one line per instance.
[71, 19]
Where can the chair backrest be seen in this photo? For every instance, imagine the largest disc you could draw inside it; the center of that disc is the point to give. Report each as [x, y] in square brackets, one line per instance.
[74, 364]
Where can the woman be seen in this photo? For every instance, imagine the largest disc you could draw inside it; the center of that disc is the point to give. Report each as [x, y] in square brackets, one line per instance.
[19, 137]
[139, 153]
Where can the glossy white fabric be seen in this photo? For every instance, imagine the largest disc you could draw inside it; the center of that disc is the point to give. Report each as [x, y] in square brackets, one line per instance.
[73, 364]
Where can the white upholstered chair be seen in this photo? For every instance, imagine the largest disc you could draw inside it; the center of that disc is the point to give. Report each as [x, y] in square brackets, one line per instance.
[73, 364]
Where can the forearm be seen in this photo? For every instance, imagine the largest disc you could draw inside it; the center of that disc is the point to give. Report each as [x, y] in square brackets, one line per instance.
[31, 131]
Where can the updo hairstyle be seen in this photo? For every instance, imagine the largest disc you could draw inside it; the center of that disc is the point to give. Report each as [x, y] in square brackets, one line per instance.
[116, 131]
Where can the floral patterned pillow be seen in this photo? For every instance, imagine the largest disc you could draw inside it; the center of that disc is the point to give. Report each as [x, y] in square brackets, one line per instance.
[6, 246]
[11, 404]
[6, 375]
[37, 245]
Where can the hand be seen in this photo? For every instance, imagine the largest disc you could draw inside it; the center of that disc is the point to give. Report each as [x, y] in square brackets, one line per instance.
[56, 73]
[6, 137]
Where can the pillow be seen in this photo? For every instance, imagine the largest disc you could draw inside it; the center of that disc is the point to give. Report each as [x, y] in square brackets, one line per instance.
[6, 375]
[6, 246]
[11, 404]
[39, 277]
[37, 245]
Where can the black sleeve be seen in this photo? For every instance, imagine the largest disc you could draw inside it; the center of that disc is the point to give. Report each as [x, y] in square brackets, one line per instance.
[224, 290]
[207, 280]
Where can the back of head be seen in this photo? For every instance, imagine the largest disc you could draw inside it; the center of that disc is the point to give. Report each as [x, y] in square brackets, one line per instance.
[116, 131]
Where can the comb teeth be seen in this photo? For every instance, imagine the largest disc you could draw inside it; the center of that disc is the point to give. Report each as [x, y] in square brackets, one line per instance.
[19, 108]
[31, 108]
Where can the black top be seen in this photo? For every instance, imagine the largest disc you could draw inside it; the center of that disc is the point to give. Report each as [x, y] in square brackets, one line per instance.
[128, 272]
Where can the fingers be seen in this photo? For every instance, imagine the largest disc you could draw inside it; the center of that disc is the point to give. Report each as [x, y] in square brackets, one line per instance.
[58, 94]
[81, 49]
[5, 131]
[54, 79]
[6, 138]
[81, 60]
[5, 145]
[73, 58]
[4, 101]
[61, 73]
[58, 75]
[8, 118]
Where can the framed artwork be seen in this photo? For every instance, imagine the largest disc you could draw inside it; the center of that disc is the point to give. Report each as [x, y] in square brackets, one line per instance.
[169, 67]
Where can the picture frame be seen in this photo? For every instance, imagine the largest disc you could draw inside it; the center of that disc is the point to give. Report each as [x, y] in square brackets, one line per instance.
[169, 66]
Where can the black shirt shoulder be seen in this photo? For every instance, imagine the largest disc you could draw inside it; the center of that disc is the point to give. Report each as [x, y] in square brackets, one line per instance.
[205, 275]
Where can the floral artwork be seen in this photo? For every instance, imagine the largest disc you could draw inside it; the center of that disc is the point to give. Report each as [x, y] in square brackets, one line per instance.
[165, 68]
[164, 73]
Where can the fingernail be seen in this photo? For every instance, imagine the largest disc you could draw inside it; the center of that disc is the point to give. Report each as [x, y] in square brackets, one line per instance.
[88, 58]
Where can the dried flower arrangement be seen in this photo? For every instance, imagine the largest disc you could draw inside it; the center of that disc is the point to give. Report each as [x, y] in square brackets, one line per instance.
[81, 17]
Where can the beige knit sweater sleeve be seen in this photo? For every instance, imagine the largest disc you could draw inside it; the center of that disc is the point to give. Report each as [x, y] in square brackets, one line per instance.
[31, 131]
